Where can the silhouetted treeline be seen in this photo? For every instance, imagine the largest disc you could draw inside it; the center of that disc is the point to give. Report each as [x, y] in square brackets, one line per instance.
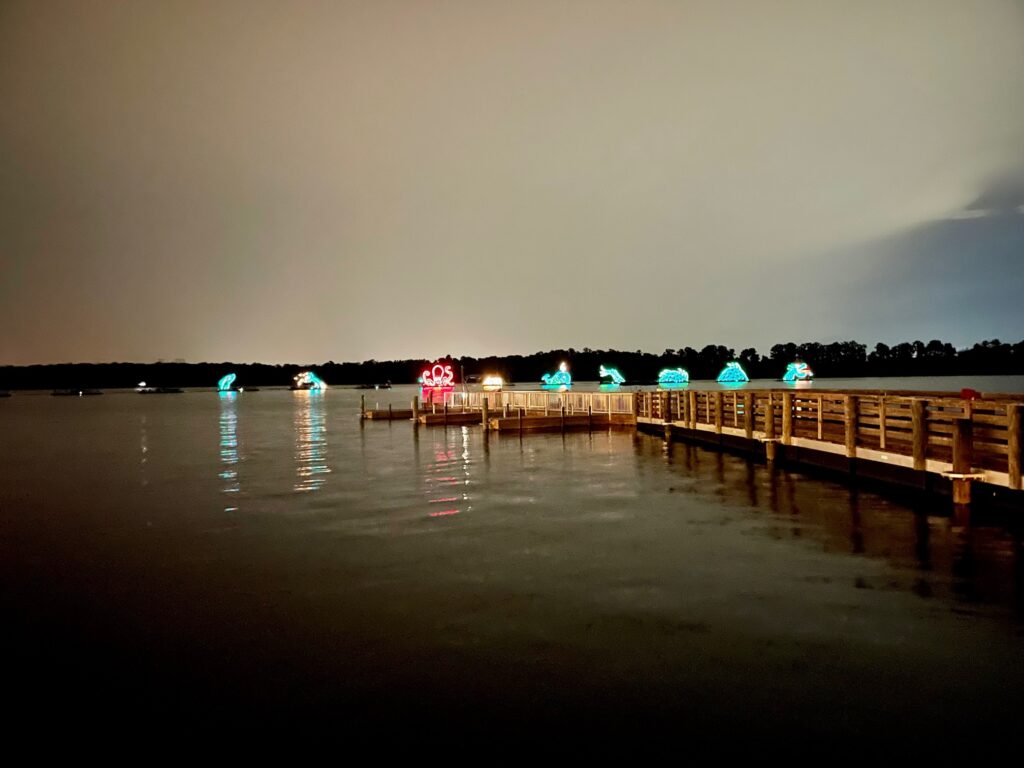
[842, 359]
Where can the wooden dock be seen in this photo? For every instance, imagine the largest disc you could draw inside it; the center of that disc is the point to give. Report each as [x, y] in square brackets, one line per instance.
[929, 440]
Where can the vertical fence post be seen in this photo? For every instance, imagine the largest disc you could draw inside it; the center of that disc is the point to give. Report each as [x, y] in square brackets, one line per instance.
[769, 428]
[1013, 444]
[362, 406]
[635, 407]
[850, 421]
[692, 397]
[787, 418]
[881, 422]
[718, 412]
[919, 422]
[748, 414]
[416, 408]
[484, 414]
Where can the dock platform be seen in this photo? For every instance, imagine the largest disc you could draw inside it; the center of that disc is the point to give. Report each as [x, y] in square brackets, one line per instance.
[925, 439]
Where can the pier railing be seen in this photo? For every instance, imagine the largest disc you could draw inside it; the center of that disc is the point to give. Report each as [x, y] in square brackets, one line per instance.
[533, 402]
[934, 433]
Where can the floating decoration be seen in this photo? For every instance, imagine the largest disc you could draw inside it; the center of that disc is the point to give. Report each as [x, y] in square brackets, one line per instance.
[733, 373]
[673, 377]
[227, 383]
[613, 374]
[493, 383]
[560, 378]
[309, 380]
[438, 377]
[797, 372]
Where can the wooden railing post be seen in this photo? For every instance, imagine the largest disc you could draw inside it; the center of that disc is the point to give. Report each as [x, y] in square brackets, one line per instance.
[1013, 444]
[748, 414]
[362, 406]
[963, 456]
[692, 397]
[850, 422]
[635, 407]
[416, 408]
[787, 418]
[919, 422]
[484, 415]
[769, 428]
[718, 412]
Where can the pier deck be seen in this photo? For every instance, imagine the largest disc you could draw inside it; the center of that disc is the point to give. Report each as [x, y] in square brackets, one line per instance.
[926, 439]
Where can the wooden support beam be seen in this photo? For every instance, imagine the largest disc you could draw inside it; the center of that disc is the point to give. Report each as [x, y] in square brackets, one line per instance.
[1013, 444]
[748, 414]
[919, 423]
[769, 428]
[484, 413]
[881, 422]
[362, 406]
[718, 411]
[963, 457]
[415, 408]
[850, 423]
[787, 418]
[692, 397]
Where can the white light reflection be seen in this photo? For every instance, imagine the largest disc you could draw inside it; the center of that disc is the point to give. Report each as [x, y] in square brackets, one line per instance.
[311, 468]
[229, 445]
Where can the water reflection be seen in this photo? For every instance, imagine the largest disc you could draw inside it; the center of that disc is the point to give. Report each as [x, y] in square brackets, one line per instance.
[931, 550]
[229, 445]
[447, 478]
[311, 459]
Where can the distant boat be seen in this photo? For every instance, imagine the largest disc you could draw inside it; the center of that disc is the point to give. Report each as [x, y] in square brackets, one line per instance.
[144, 389]
[385, 385]
[75, 392]
[307, 380]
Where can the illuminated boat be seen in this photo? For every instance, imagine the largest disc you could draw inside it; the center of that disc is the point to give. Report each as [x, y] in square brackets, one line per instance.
[733, 373]
[308, 381]
[673, 377]
[493, 383]
[612, 374]
[558, 379]
[797, 372]
[227, 384]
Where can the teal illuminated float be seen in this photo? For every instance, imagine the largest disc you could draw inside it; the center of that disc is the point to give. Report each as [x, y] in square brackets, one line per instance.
[797, 372]
[560, 378]
[307, 380]
[612, 374]
[227, 383]
[733, 373]
[673, 377]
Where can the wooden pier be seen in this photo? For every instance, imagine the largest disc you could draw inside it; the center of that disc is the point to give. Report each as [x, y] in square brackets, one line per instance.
[936, 441]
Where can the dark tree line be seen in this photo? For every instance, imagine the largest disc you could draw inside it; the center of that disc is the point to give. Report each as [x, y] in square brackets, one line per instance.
[841, 359]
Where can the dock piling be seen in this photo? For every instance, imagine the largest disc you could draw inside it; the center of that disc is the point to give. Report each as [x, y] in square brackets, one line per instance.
[963, 456]
[485, 415]
[415, 409]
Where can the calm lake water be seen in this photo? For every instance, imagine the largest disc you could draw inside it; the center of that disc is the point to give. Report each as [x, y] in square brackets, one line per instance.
[264, 559]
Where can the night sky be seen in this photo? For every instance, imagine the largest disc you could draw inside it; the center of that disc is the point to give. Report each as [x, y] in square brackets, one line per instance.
[305, 181]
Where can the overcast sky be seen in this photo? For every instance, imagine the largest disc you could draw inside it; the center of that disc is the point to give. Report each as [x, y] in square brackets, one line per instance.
[304, 181]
